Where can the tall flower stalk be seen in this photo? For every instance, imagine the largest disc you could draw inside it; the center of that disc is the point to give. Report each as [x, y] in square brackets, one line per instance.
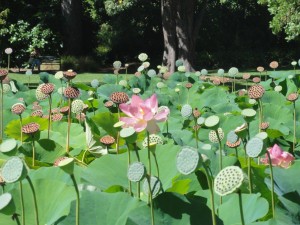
[34, 200]
[3, 75]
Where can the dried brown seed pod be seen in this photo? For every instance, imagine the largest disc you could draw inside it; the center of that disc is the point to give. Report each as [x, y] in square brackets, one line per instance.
[107, 140]
[260, 69]
[264, 125]
[246, 76]
[108, 104]
[188, 85]
[3, 74]
[38, 113]
[30, 128]
[64, 110]
[274, 64]
[57, 117]
[18, 108]
[71, 92]
[256, 91]
[119, 97]
[70, 74]
[196, 113]
[233, 145]
[80, 117]
[47, 88]
[292, 97]
[256, 79]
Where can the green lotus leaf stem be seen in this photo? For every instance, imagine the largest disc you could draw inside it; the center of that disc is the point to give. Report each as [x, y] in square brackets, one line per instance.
[1, 111]
[156, 164]
[15, 217]
[34, 200]
[139, 183]
[21, 124]
[234, 83]
[220, 150]
[33, 150]
[22, 202]
[294, 135]
[93, 107]
[212, 199]
[50, 115]
[196, 134]
[128, 163]
[149, 180]
[272, 184]
[236, 152]
[69, 128]
[260, 114]
[249, 175]
[241, 207]
[77, 198]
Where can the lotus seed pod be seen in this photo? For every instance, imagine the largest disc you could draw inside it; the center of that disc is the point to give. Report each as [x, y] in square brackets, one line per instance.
[6, 88]
[123, 83]
[260, 69]
[71, 92]
[57, 117]
[181, 69]
[3, 74]
[212, 136]
[136, 172]
[187, 160]
[7, 205]
[153, 140]
[143, 57]
[39, 94]
[228, 180]
[136, 90]
[241, 131]
[107, 140]
[274, 65]
[246, 76]
[254, 147]
[278, 88]
[64, 110]
[30, 128]
[167, 75]
[248, 113]
[216, 82]
[160, 85]
[233, 71]
[151, 73]
[59, 75]
[292, 97]
[117, 65]
[256, 79]
[38, 113]
[242, 92]
[256, 91]
[233, 145]
[146, 65]
[18, 108]
[212, 121]
[200, 120]
[95, 83]
[196, 113]
[67, 165]
[178, 62]
[155, 186]
[221, 72]
[264, 125]
[70, 74]
[293, 63]
[77, 106]
[47, 88]
[163, 108]
[9, 147]
[108, 104]
[138, 74]
[262, 135]
[13, 170]
[232, 137]
[140, 69]
[58, 160]
[119, 97]
[188, 85]
[186, 111]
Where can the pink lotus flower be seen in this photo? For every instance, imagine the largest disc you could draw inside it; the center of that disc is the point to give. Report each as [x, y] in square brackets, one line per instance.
[278, 157]
[143, 114]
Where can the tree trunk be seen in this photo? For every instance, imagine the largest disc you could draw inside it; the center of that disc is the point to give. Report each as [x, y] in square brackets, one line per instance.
[182, 18]
[72, 26]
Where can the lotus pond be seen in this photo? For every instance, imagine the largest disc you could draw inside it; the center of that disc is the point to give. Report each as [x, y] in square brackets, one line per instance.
[153, 148]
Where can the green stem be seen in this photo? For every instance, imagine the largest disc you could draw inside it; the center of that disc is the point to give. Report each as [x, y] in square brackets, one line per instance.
[21, 124]
[241, 207]
[272, 184]
[15, 217]
[249, 175]
[294, 138]
[128, 163]
[236, 152]
[77, 198]
[209, 181]
[1, 117]
[149, 180]
[22, 202]
[33, 151]
[69, 128]
[83, 156]
[260, 111]
[139, 183]
[196, 133]
[34, 200]
[156, 164]
[220, 150]
[50, 115]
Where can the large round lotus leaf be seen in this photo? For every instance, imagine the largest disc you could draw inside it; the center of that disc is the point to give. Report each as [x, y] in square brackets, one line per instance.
[232, 137]
[254, 147]
[136, 171]
[262, 135]
[155, 185]
[8, 145]
[252, 101]
[186, 111]
[187, 160]
[13, 170]
[212, 121]
[248, 112]
[6, 204]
